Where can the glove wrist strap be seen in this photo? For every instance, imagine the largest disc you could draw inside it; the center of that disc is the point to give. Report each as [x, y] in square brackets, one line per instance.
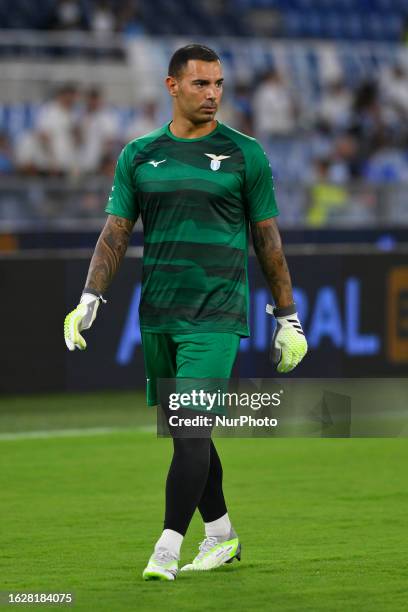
[286, 311]
[95, 293]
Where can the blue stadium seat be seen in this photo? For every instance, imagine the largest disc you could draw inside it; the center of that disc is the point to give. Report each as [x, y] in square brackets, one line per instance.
[375, 20]
[311, 25]
[294, 24]
[353, 27]
[333, 24]
[394, 25]
[305, 5]
[374, 26]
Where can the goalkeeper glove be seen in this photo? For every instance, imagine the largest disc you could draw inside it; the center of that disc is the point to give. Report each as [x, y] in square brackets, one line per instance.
[79, 319]
[288, 346]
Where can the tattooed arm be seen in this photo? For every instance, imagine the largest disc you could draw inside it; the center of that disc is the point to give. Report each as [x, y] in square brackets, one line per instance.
[109, 252]
[268, 249]
[289, 345]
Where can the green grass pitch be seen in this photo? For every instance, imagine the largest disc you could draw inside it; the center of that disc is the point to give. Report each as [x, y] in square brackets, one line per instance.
[323, 522]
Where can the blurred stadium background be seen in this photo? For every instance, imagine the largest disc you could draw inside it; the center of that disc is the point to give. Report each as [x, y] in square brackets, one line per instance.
[323, 84]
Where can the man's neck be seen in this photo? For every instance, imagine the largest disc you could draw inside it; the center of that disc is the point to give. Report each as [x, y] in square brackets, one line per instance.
[183, 128]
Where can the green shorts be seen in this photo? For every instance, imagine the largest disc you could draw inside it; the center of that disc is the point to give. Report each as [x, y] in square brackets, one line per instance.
[202, 355]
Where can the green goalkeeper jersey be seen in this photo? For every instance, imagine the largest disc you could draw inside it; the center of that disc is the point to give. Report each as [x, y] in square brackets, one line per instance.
[196, 197]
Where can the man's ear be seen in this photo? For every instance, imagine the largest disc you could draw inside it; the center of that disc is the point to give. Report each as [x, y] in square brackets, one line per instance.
[172, 86]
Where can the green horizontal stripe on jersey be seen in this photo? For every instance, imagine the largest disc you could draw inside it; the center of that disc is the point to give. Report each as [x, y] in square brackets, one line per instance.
[196, 287]
[199, 253]
[198, 296]
[234, 274]
[157, 316]
[222, 186]
[207, 235]
[186, 202]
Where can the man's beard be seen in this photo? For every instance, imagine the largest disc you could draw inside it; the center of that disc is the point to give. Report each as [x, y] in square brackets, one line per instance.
[199, 119]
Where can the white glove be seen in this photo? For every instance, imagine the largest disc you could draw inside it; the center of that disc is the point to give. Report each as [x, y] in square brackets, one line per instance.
[289, 345]
[79, 319]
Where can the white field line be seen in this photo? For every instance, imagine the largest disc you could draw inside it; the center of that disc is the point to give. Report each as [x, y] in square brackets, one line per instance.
[73, 433]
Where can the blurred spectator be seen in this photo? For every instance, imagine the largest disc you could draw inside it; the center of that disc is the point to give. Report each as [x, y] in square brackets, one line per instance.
[394, 91]
[242, 103]
[320, 140]
[274, 109]
[68, 15]
[6, 155]
[59, 130]
[387, 163]
[266, 21]
[145, 120]
[103, 20]
[346, 162]
[335, 104]
[32, 154]
[367, 108]
[108, 165]
[129, 20]
[326, 198]
[99, 131]
[368, 117]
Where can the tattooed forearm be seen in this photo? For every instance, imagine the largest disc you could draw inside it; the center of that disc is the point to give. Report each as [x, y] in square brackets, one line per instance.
[109, 252]
[268, 249]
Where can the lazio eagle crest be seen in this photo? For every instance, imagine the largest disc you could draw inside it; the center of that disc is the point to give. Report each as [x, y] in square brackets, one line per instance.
[216, 160]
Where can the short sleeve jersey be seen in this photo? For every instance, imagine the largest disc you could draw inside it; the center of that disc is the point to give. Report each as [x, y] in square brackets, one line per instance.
[195, 197]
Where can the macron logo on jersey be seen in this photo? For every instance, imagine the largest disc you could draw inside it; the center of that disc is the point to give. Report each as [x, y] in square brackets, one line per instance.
[156, 163]
[216, 160]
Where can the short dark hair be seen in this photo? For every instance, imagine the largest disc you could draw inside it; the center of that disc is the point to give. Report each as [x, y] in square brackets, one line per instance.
[190, 52]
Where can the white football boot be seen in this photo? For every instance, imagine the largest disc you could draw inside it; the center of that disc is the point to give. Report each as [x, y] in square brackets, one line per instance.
[215, 551]
[163, 565]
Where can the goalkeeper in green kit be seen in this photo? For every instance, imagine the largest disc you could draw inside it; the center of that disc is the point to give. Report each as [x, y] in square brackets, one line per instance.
[197, 185]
